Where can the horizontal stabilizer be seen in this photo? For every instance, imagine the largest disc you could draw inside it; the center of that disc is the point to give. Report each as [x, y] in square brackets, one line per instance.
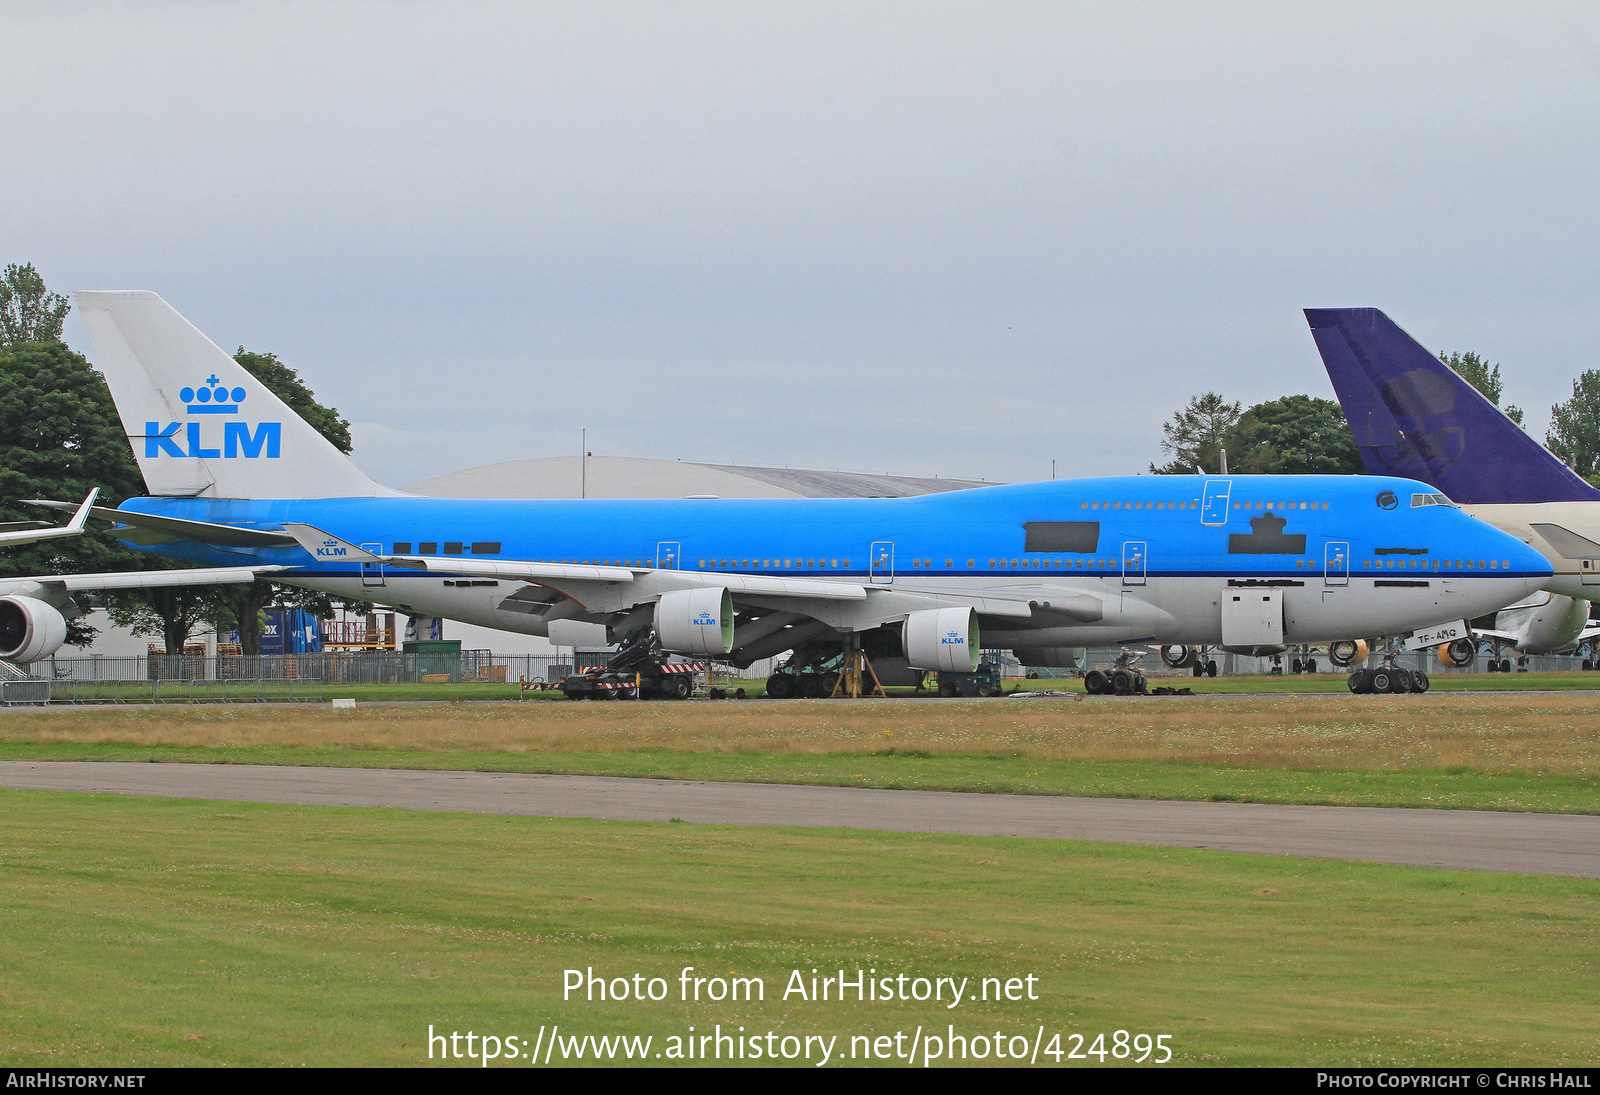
[74, 527]
[1412, 416]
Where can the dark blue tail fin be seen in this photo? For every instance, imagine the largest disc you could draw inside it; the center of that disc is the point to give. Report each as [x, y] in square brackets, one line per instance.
[1412, 416]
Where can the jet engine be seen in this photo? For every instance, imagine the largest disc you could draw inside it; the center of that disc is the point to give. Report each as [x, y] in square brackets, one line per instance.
[1459, 654]
[1056, 657]
[1347, 652]
[945, 639]
[695, 621]
[1179, 657]
[29, 629]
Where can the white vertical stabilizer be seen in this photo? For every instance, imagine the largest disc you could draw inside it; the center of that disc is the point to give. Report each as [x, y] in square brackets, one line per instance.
[200, 424]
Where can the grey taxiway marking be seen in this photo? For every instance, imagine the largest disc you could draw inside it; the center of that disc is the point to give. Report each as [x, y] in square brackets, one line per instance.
[1562, 844]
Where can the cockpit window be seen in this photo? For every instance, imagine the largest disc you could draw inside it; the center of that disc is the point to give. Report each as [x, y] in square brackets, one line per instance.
[1431, 500]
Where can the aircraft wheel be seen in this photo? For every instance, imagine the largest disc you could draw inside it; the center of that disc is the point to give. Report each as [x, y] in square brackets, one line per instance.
[1197, 670]
[829, 682]
[810, 686]
[1419, 681]
[1382, 680]
[1211, 669]
[1095, 683]
[948, 689]
[780, 686]
[1402, 681]
[1358, 682]
[1588, 663]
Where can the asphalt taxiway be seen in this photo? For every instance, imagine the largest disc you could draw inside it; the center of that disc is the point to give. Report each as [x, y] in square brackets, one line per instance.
[1559, 844]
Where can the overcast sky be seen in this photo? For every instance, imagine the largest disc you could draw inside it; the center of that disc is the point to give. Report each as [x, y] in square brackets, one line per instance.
[962, 239]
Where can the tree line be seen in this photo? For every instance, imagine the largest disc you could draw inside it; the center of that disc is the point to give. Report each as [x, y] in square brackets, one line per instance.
[1302, 434]
[60, 437]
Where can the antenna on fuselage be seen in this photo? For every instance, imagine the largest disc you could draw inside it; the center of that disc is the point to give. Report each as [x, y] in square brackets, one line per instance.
[1224, 453]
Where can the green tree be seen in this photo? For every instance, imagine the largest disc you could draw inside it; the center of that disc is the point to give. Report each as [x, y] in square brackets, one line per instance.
[28, 311]
[60, 437]
[1477, 371]
[1295, 435]
[1194, 437]
[1575, 427]
[285, 383]
[172, 612]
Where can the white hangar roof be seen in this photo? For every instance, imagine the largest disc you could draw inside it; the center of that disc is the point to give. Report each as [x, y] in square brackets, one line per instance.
[631, 477]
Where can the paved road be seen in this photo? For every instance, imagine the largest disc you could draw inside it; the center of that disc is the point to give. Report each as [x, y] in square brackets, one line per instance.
[1563, 844]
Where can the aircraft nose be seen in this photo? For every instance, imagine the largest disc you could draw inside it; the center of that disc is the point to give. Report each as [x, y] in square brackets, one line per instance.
[1528, 562]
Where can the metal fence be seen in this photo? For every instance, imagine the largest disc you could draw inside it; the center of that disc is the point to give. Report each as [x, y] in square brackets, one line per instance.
[304, 677]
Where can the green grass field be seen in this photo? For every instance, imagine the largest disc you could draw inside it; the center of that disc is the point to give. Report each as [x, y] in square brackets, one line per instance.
[1455, 750]
[162, 932]
[1313, 683]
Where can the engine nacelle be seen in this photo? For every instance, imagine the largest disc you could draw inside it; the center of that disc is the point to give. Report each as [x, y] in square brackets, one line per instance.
[945, 639]
[1347, 652]
[1051, 657]
[1458, 654]
[1179, 657]
[29, 629]
[695, 621]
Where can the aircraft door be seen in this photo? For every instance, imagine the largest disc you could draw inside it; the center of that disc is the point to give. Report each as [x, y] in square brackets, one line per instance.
[1336, 564]
[881, 561]
[667, 555]
[1589, 569]
[1133, 562]
[1252, 616]
[1214, 501]
[372, 573]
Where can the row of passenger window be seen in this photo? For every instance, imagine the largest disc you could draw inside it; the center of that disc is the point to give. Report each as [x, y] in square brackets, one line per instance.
[1196, 505]
[774, 564]
[1434, 564]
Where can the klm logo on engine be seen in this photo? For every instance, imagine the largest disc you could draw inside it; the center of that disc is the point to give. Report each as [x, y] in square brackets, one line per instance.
[705, 619]
[330, 549]
[238, 439]
[953, 638]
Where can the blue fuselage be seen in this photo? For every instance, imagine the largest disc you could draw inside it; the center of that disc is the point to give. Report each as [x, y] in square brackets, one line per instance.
[1341, 547]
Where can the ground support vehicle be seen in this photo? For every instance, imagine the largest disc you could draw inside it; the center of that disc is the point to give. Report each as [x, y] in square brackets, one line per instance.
[812, 671]
[983, 681]
[639, 669]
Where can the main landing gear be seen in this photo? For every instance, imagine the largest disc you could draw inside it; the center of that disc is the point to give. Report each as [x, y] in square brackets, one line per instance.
[1388, 678]
[1121, 678]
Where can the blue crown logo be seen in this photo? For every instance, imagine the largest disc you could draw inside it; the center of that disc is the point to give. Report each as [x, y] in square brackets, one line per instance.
[213, 398]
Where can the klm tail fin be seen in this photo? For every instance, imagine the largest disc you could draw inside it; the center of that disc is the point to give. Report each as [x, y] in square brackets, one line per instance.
[1412, 416]
[200, 425]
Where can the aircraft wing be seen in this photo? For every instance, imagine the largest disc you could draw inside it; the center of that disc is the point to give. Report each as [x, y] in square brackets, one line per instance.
[146, 529]
[603, 589]
[54, 588]
[1489, 633]
[74, 527]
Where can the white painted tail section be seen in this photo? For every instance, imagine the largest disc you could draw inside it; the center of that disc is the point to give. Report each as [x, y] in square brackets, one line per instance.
[200, 425]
